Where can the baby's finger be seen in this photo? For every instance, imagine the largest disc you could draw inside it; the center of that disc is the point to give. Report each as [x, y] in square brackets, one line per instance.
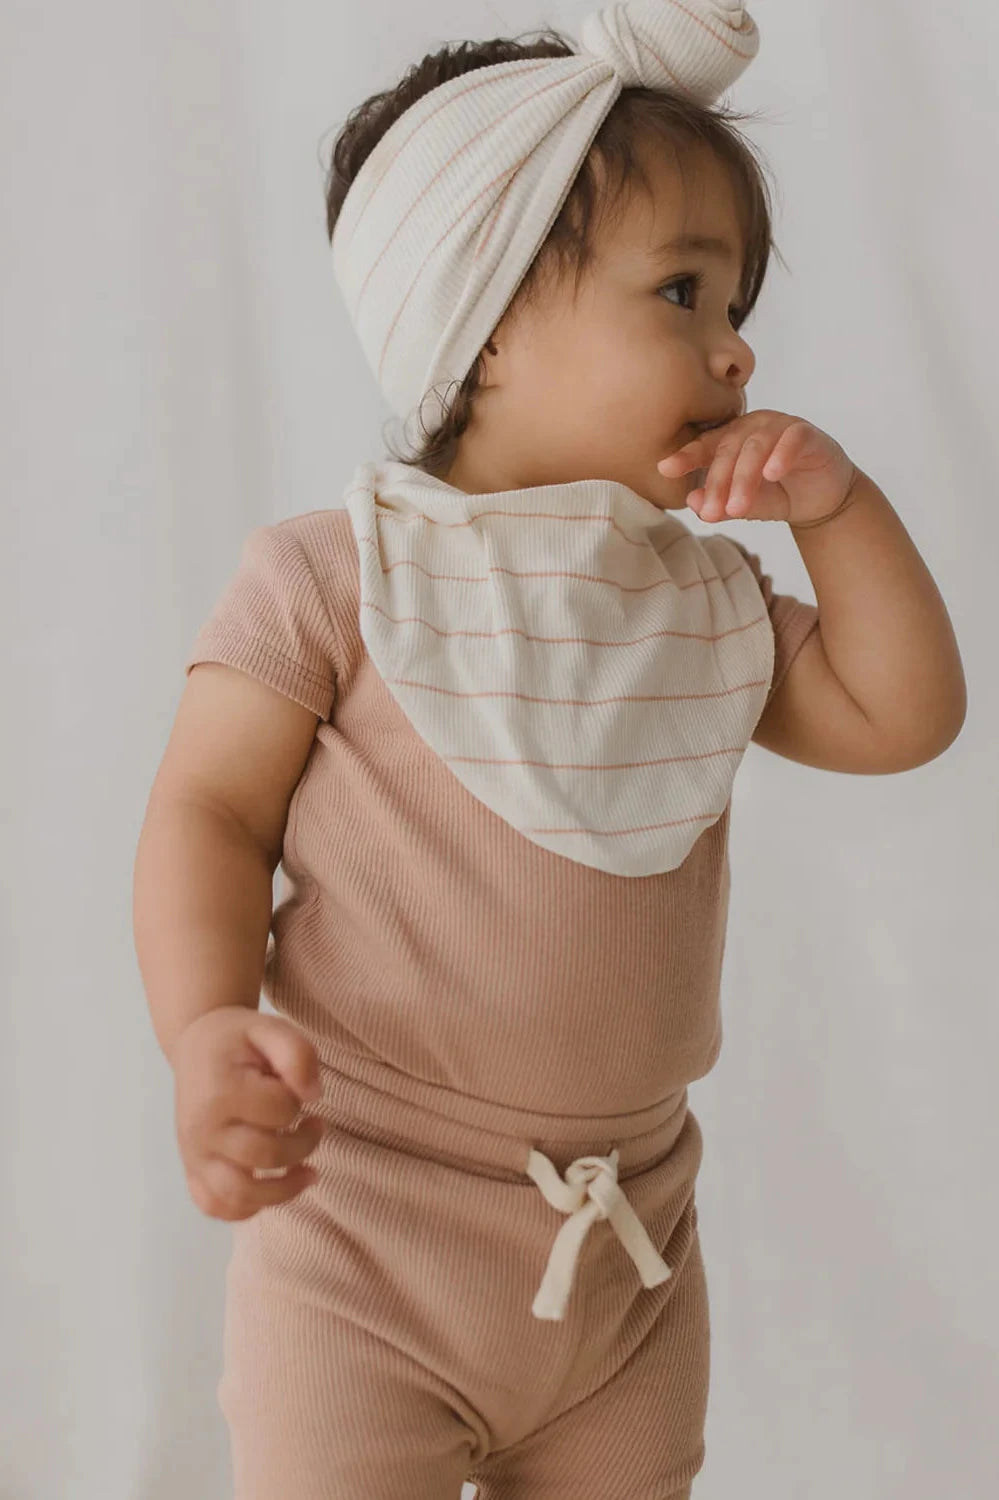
[787, 450]
[678, 462]
[247, 1146]
[720, 471]
[691, 456]
[254, 1098]
[228, 1192]
[747, 475]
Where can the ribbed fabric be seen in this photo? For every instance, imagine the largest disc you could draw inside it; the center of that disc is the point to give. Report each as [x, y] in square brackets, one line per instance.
[472, 997]
[418, 927]
[586, 665]
[379, 1338]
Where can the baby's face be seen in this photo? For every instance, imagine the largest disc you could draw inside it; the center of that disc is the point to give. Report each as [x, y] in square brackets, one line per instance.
[604, 386]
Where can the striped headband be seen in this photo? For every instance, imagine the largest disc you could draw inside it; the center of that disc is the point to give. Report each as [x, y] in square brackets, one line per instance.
[447, 213]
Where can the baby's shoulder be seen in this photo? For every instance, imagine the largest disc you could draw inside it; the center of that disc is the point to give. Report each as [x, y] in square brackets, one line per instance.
[319, 530]
[327, 542]
[326, 539]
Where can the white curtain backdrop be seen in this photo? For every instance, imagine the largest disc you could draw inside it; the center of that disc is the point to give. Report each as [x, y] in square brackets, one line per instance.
[177, 369]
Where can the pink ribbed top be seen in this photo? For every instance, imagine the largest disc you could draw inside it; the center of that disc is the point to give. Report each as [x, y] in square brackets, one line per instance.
[417, 927]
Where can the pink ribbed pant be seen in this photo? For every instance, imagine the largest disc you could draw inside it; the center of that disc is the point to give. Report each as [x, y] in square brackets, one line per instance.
[471, 1293]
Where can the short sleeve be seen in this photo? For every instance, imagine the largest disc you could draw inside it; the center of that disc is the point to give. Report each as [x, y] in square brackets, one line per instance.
[271, 622]
[793, 620]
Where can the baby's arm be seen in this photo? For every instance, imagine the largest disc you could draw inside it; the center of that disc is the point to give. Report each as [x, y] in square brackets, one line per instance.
[210, 842]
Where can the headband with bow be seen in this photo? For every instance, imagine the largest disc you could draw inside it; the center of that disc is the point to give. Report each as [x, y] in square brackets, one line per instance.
[450, 208]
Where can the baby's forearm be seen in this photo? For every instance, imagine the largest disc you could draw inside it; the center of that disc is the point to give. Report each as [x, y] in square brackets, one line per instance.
[202, 907]
[884, 626]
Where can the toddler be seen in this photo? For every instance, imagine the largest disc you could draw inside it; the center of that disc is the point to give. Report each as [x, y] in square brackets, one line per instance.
[487, 714]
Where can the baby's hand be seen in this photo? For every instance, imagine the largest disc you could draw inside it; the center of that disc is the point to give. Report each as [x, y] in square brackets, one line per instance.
[765, 466]
[240, 1080]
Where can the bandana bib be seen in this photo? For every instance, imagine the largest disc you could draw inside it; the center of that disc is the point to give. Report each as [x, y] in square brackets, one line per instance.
[586, 666]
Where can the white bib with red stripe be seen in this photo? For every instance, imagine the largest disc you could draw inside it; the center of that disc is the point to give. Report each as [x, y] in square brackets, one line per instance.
[587, 667]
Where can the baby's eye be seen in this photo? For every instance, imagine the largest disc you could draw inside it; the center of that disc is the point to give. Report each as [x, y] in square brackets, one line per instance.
[697, 282]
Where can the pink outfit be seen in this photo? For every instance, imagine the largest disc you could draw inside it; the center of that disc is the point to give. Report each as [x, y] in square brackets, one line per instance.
[472, 997]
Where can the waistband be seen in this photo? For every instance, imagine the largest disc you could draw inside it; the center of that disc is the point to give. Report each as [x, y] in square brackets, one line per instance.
[577, 1162]
[483, 1135]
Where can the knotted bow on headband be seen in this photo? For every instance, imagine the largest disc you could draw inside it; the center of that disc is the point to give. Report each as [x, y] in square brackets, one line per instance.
[448, 211]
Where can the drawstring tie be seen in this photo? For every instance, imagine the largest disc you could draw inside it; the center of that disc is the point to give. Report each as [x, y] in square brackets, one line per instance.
[589, 1191]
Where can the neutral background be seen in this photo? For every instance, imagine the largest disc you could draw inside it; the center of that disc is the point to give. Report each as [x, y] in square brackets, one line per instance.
[177, 369]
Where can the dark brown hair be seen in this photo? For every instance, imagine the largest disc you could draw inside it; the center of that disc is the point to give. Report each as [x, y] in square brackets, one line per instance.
[637, 118]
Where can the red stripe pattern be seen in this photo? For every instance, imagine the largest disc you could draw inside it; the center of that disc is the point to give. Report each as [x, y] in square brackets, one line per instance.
[588, 667]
